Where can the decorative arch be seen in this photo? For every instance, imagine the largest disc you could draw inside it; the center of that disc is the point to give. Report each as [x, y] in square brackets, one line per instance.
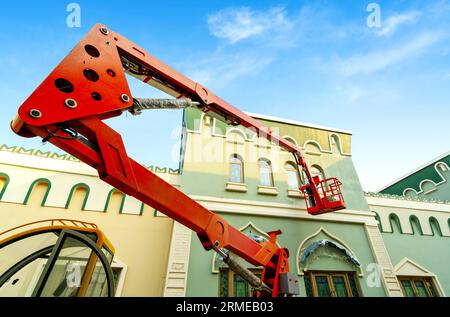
[415, 225]
[435, 227]
[74, 189]
[407, 267]
[393, 218]
[426, 183]
[6, 179]
[377, 218]
[108, 199]
[290, 139]
[250, 230]
[442, 166]
[409, 192]
[315, 144]
[236, 131]
[317, 170]
[33, 185]
[337, 142]
[302, 247]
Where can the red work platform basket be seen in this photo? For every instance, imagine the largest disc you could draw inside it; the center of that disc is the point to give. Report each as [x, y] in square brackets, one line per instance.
[326, 198]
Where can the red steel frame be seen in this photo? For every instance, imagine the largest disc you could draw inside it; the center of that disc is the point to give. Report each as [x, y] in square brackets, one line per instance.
[46, 113]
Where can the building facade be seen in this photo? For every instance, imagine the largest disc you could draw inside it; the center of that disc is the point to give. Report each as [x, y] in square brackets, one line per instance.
[383, 244]
[37, 185]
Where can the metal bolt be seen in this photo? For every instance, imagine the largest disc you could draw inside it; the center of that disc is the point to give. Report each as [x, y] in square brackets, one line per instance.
[125, 98]
[70, 103]
[34, 113]
[216, 243]
[104, 30]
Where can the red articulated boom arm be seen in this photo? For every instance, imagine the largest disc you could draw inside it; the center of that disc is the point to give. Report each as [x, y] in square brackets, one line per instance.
[90, 85]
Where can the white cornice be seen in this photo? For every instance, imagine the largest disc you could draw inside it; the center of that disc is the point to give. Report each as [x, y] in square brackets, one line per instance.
[247, 207]
[298, 123]
[407, 204]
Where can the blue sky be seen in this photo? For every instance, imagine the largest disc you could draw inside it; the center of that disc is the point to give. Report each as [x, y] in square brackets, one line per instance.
[311, 61]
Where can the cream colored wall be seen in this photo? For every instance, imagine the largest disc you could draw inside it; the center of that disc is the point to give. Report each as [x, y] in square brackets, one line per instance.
[404, 208]
[142, 242]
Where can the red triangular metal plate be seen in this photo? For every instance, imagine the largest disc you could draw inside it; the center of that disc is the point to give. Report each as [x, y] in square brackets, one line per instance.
[97, 52]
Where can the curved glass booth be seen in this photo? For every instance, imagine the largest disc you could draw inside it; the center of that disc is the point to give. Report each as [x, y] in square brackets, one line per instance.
[56, 258]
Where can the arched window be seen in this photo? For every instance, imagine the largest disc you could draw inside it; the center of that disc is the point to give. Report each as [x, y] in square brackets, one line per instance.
[265, 173]
[292, 176]
[316, 170]
[81, 189]
[4, 181]
[115, 201]
[236, 169]
[395, 223]
[415, 225]
[40, 188]
[435, 228]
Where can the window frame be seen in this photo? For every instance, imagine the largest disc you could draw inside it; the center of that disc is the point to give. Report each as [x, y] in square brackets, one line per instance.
[241, 165]
[427, 281]
[230, 280]
[329, 275]
[270, 172]
[291, 167]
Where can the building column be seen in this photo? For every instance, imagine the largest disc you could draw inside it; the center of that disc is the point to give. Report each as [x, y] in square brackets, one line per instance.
[177, 266]
[381, 255]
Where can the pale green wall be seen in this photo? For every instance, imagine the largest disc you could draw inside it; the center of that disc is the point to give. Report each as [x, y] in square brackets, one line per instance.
[430, 252]
[209, 178]
[202, 282]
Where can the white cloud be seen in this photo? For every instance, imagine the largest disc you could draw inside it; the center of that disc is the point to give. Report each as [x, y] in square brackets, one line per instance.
[378, 60]
[354, 94]
[221, 69]
[237, 24]
[390, 25]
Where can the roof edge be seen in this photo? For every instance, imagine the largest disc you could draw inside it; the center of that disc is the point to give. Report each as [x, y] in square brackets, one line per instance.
[433, 161]
[294, 122]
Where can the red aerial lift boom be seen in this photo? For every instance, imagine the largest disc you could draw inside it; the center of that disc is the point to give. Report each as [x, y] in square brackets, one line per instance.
[90, 85]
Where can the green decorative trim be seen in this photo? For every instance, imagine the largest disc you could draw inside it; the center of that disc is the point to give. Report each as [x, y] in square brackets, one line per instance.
[434, 222]
[74, 188]
[414, 218]
[415, 178]
[6, 148]
[30, 190]
[22, 150]
[67, 157]
[394, 217]
[398, 197]
[111, 192]
[165, 170]
[39, 153]
[42, 154]
[6, 177]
